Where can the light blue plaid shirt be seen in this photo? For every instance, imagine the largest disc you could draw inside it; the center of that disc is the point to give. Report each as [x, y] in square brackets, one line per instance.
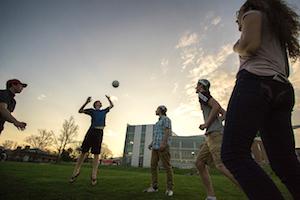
[158, 133]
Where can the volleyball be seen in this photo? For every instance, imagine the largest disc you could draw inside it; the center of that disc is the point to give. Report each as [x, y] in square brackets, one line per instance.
[115, 84]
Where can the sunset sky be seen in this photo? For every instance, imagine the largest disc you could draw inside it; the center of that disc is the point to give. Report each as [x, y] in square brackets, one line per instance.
[67, 50]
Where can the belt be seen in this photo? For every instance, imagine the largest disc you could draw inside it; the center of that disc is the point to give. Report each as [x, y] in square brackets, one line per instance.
[277, 77]
[99, 127]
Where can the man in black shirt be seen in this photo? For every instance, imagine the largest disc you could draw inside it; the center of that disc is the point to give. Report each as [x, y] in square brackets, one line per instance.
[8, 103]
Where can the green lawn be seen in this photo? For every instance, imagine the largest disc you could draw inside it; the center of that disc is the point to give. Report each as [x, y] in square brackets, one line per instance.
[50, 181]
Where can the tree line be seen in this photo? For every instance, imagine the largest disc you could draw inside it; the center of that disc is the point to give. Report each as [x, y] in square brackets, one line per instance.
[64, 145]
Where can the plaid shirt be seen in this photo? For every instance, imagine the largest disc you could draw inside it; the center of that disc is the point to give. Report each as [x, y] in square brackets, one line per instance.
[158, 133]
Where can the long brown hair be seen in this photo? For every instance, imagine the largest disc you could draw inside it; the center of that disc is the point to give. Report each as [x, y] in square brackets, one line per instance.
[284, 22]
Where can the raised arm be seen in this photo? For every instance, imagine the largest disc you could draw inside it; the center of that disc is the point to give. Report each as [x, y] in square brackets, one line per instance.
[111, 105]
[4, 112]
[88, 100]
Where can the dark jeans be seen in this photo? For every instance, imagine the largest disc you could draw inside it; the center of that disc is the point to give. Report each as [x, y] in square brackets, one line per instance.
[1, 126]
[265, 105]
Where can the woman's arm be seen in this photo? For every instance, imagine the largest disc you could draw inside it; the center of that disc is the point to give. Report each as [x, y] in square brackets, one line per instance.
[250, 40]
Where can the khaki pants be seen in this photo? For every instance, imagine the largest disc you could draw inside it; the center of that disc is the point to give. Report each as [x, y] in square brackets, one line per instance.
[210, 151]
[165, 157]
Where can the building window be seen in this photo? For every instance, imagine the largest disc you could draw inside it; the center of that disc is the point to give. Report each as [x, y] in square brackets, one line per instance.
[143, 135]
[187, 144]
[128, 148]
[141, 158]
[175, 143]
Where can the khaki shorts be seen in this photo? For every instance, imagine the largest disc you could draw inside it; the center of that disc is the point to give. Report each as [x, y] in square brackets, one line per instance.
[210, 150]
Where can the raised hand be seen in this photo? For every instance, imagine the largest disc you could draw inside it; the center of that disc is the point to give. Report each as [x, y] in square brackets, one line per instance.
[20, 125]
[203, 126]
[89, 99]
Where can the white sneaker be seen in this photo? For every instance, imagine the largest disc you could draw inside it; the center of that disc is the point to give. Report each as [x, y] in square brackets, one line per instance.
[151, 189]
[169, 193]
[211, 198]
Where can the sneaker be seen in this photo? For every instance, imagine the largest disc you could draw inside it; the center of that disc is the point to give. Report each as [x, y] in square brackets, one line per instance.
[93, 181]
[169, 193]
[151, 189]
[211, 198]
[73, 178]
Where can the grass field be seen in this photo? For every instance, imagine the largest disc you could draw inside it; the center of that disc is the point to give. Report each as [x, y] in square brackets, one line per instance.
[50, 181]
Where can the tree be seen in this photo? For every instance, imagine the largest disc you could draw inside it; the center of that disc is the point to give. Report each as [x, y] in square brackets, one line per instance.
[76, 146]
[105, 151]
[66, 155]
[8, 144]
[68, 134]
[42, 140]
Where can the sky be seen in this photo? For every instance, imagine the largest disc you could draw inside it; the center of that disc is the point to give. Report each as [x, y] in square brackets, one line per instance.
[67, 50]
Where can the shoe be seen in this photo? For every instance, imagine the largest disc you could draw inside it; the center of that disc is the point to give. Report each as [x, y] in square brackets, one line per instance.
[151, 189]
[169, 193]
[211, 198]
[73, 178]
[93, 181]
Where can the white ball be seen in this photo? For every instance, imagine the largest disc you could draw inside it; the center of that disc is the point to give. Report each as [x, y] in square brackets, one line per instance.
[115, 83]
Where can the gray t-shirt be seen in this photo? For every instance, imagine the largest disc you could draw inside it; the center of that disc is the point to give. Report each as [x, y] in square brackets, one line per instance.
[216, 125]
[269, 59]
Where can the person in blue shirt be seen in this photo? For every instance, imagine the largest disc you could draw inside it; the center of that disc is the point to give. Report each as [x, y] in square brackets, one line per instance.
[93, 137]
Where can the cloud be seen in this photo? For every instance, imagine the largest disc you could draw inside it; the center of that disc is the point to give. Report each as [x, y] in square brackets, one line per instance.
[164, 65]
[184, 109]
[216, 20]
[175, 88]
[207, 64]
[199, 62]
[209, 15]
[189, 55]
[190, 42]
[187, 39]
[41, 97]
[210, 67]
[203, 64]
[222, 84]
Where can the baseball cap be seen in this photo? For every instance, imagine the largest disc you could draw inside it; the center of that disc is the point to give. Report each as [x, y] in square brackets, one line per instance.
[205, 83]
[11, 82]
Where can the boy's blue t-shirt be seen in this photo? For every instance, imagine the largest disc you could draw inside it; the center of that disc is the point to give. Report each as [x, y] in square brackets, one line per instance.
[98, 116]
